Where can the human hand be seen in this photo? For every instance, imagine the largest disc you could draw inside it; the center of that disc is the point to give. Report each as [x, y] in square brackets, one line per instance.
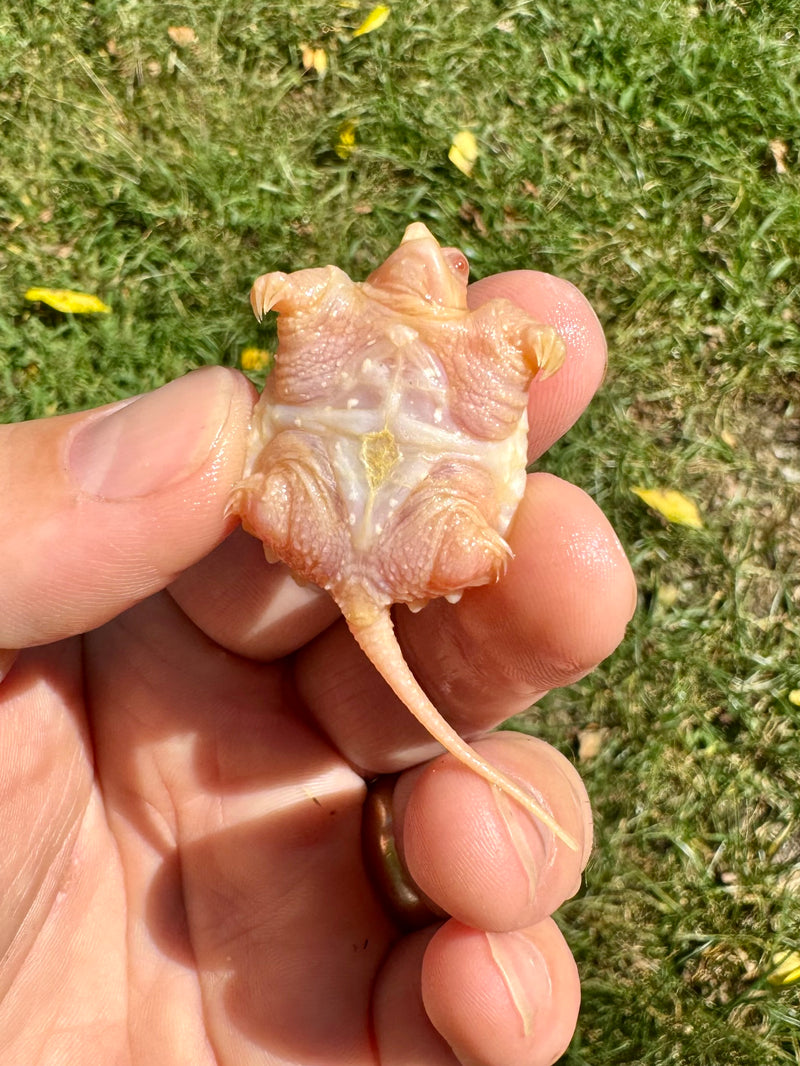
[182, 873]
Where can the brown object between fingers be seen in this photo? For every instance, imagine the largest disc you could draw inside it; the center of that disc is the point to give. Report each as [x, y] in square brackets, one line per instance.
[406, 902]
[387, 452]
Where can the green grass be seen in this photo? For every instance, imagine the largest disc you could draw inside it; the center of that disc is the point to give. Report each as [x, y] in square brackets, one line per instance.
[627, 148]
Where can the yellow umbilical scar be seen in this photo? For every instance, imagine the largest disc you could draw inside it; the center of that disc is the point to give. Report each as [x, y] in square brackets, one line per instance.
[380, 455]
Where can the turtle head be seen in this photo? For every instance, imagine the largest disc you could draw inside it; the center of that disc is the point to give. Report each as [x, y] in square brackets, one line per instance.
[421, 277]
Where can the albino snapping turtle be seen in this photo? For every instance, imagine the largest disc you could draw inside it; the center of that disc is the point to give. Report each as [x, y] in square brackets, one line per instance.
[387, 452]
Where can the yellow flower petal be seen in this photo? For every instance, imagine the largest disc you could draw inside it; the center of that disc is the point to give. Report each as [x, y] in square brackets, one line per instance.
[785, 969]
[463, 151]
[255, 359]
[672, 505]
[374, 20]
[347, 139]
[76, 303]
[794, 697]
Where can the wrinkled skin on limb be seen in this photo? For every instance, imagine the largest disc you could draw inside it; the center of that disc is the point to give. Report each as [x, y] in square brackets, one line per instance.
[388, 451]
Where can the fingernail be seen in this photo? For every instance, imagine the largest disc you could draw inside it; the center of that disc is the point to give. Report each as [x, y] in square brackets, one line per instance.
[527, 837]
[524, 972]
[154, 441]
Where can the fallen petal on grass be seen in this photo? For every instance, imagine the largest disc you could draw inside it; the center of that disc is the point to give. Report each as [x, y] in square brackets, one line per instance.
[69, 301]
[672, 505]
[463, 151]
[255, 359]
[347, 139]
[374, 20]
[785, 969]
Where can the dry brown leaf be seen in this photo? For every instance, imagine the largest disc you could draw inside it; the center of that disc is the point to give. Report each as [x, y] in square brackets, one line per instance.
[468, 212]
[590, 742]
[182, 35]
[779, 151]
[315, 59]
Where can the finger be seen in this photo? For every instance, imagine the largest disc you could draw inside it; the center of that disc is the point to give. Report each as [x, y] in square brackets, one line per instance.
[560, 609]
[480, 857]
[104, 507]
[483, 999]
[403, 1031]
[502, 999]
[556, 402]
[248, 606]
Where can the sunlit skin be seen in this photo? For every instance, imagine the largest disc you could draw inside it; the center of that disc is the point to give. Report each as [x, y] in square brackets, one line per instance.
[185, 742]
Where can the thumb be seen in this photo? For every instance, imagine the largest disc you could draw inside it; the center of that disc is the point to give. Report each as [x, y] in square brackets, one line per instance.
[102, 508]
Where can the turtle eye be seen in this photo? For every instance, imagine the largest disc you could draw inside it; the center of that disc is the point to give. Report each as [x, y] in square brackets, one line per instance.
[457, 262]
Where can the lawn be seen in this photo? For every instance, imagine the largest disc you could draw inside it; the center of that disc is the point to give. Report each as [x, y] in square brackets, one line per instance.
[650, 154]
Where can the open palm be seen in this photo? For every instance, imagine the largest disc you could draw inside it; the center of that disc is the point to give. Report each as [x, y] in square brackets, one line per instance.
[185, 744]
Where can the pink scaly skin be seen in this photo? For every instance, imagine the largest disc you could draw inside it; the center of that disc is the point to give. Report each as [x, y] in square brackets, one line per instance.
[387, 452]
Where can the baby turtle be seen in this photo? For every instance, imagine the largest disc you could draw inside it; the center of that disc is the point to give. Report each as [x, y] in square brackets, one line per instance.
[387, 452]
